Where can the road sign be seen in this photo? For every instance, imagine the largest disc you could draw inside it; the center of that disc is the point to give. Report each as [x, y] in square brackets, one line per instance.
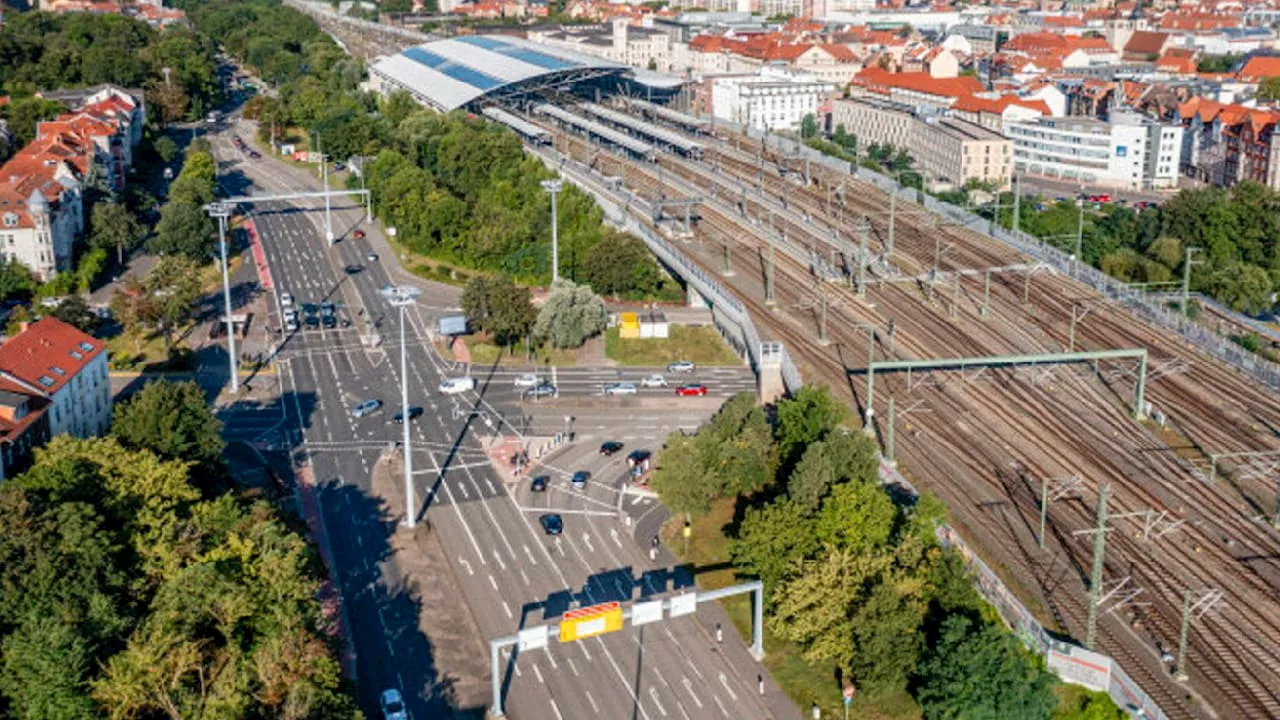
[684, 604]
[533, 638]
[590, 621]
[646, 612]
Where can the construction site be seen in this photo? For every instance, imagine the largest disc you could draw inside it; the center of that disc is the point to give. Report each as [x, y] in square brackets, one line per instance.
[1122, 482]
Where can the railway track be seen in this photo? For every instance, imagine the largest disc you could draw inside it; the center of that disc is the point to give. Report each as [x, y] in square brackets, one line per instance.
[963, 438]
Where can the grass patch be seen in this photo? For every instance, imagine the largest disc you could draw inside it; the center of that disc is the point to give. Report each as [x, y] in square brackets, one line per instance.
[699, 343]
[803, 681]
[484, 352]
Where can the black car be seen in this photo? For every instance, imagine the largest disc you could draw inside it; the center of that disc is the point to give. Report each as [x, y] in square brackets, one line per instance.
[638, 456]
[551, 524]
[311, 321]
[610, 448]
[328, 309]
[580, 479]
[538, 484]
[330, 322]
[414, 413]
[353, 269]
[255, 154]
[310, 308]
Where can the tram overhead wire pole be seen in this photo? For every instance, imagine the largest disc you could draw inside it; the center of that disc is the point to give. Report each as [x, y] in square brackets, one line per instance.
[553, 187]
[1186, 276]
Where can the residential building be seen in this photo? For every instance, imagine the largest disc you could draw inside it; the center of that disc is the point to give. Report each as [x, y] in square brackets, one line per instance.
[914, 89]
[1224, 145]
[777, 98]
[65, 368]
[948, 151]
[620, 41]
[41, 202]
[127, 105]
[24, 426]
[1129, 151]
[992, 110]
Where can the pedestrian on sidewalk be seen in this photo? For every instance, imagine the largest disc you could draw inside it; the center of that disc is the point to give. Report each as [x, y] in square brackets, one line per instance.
[719, 634]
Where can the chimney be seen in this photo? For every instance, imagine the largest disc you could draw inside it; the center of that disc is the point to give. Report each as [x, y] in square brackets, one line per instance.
[22, 326]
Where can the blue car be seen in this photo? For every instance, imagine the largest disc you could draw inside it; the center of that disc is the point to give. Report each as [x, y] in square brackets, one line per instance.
[552, 524]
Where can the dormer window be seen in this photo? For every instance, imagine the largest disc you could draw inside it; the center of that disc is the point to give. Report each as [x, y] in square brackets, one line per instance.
[10, 220]
[46, 381]
[86, 347]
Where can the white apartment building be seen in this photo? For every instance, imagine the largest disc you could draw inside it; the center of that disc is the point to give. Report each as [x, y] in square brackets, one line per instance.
[54, 360]
[640, 47]
[775, 99]
[41, 203]
[1130, 152]
[948, 151]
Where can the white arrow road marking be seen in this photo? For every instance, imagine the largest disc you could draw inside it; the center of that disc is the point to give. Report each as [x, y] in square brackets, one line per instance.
[688, 685]
[489, 484]
[559, 546]
[586, 540]
[614, 534]
[725, 682]
[466, 565]
[530, 554]
[463, 489]
[653, 695]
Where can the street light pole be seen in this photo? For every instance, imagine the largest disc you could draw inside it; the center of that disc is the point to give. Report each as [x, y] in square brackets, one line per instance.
[554, 187]
[221, 211]
[324, 173]
[402, 296]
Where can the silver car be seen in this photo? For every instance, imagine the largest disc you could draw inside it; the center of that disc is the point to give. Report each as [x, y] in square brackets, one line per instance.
[368, 407]
[624, 388]
[682, 366]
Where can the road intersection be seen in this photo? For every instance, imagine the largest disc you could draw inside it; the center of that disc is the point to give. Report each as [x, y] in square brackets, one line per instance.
[510, 573]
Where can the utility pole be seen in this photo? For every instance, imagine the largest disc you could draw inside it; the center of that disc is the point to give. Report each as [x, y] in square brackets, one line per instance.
[893, 206]
[1095, 581]
[1017, 203]
[863, 232]
[986, 293]
[324, 173]
[222, 211]
[402, 296]
[554, 187]
[888, 436]
[1071, 335]
[728, 260]
[822, 315]
[768, 275]
[1186, 277]
[1080, 230]
[1192, 610]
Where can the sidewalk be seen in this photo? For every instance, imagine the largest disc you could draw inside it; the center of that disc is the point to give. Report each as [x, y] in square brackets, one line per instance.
[335, 612]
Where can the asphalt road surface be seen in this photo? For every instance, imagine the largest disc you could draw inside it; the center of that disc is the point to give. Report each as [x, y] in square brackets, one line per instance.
[512, 574]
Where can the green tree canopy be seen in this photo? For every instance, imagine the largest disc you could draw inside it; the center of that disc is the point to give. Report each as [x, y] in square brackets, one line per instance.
[980, 671]
[184, 230]
[172, 420]
[571, 314]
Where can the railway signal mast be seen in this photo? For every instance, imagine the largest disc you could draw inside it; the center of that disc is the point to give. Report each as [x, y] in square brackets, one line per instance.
[1097, 595]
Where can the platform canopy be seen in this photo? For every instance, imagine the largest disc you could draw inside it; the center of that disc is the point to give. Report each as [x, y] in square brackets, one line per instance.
[452, 73]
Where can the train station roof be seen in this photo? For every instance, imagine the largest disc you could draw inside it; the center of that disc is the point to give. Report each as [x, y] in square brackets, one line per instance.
[448, 74]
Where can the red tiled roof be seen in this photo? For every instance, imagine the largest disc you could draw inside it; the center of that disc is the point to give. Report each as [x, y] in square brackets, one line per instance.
[1259, 68]
[842, 53]
[1198, 21]
[31, 355]
[976, 103]
[878, 80]
[1143, 42]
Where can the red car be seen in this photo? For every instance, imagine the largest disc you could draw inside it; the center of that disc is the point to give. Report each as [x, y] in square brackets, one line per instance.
[691, 390]
[359, 234]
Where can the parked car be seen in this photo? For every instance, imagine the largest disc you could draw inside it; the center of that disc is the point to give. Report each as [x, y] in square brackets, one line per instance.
[552, 524]
[311, 321]
[415, 412]
[691, 390]
[579, 479]
[636, 457]
[392, 705]
[367, 407]
[527, 380]
[651, 381]
[624, 388]
[329, 322]
[286, 299]
[539, 483]
[681, 366]
[291, 324]
[328, 309]
[454, 386]
[545, 389]
[610, 447]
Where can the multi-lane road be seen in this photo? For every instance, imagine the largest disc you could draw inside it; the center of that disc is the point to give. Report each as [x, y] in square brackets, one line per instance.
[511, 574]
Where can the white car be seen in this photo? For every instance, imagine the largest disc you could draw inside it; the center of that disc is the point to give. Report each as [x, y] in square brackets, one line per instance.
[624, 388]
[681, 366]
[286, 299]
[392, 705]
[527, 380]
[454, 386]
[654, 381]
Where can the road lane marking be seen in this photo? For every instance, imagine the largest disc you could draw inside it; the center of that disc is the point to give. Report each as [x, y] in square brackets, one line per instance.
[551, 659]
[586, 540]
[524, 577]
[466, 565]
[390, 649]
[572, 666]
[556, 708]
[693, 667]
[688, 685]
[498, 556]
[720, 705]
[514, 665]
[507, 607]
[493, 582]
[594, 708]
[653, 695]
[614, 534]
[538, 672]
[725, 682]
[664, 680]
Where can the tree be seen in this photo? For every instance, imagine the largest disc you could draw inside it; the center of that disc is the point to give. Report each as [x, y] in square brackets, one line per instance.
[74, 311]
[113, 228]
[512, 311]
[1242, 287]
[806, 418]
[16, 280]
[475, 302]
[808, 126]
[185, 230]
[811, 478]
[621, 265]
[172, 420]
[681, 479]
[772, 540]
[571, 315]
[173, 287]
[740, 446]
[46, 663]
[980, 671]
[24, 114]
[856, 516]
[1269, 89]
[166, 149]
